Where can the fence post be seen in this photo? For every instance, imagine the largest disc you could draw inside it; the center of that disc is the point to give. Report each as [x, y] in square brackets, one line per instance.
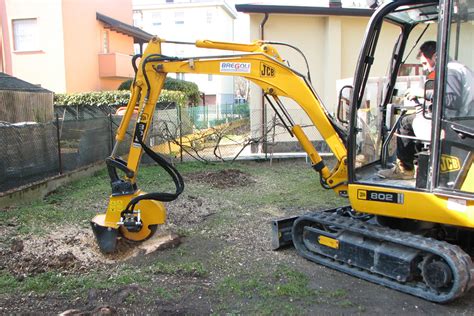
[264, 129]
[58, 136]
[111, 129]
[180, 108]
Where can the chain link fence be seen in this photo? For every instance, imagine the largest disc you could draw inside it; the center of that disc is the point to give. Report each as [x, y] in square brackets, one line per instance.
[206, 133]
[83, 135]
[228, 132]
[79, 136]
[29, 153]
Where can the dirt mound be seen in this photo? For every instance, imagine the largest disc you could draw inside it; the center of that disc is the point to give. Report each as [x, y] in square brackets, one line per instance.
[71, 250]
[65, 250]
[223, 178]
[188, 211]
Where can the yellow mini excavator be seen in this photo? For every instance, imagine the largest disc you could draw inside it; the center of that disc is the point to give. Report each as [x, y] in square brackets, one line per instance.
[412, 235]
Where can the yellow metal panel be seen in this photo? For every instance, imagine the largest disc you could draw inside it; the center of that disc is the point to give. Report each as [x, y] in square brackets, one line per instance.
[468, 185]
[152, 212]
[413, 205]
[328, 242]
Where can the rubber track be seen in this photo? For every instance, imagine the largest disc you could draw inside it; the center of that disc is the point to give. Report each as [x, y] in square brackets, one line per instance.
[459, 261]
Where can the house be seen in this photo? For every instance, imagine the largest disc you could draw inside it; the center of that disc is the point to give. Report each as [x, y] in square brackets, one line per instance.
[70, 45]
[328, 36]
[188, 21]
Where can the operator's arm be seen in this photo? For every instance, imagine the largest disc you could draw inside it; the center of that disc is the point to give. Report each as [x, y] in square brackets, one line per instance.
[459, 97]
[452, 98]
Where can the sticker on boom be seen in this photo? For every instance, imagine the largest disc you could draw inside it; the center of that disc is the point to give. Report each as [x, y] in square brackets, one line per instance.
[388, 197]
[235, 67]
[328, 242]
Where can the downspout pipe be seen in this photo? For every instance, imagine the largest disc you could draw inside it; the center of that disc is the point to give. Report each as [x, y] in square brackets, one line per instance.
[262, 26]
[264, 112]
[5, 41]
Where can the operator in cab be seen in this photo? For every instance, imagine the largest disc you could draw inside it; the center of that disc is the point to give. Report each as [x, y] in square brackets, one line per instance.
[459, 102]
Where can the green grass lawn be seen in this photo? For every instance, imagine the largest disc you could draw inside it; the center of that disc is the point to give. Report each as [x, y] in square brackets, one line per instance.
[220, 259]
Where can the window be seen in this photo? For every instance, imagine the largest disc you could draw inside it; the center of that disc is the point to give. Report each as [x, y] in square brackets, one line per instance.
[105, 42]
[180, 76]
[156, 18]
[179, 18]
[209, 77]
[25, 35]
[138, 18]
[459, 97]
[209, 17]
[457, 104]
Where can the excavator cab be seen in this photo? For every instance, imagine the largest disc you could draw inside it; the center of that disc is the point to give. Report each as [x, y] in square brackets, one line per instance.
[443, 130]
[404, 233]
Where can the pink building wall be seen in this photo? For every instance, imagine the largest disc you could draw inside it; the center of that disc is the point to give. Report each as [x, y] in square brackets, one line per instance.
[71, 43]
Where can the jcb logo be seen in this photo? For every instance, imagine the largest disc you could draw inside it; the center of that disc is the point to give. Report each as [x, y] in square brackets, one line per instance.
[115, 205]
[362, 195]
[449, 163]
[266, 71]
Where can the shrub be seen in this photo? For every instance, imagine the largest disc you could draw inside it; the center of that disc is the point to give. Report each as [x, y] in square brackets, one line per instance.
[242, 110]
[112, 98]
[190, 89]
[125, 85]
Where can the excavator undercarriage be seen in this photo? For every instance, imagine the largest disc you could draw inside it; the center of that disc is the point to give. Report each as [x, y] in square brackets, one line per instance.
[355, 244]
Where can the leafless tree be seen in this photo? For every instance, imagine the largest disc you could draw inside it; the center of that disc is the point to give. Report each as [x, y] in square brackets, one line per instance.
[206, 146]
[242, 87]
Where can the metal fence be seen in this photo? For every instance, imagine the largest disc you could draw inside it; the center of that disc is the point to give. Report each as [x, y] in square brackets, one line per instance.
[34, 151]
[29, 153]
[207, 133]
[83, 135]
[229, 132]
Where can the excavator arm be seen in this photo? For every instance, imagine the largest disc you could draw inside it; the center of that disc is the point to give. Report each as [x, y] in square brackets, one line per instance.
[262, 65]
[135, 214]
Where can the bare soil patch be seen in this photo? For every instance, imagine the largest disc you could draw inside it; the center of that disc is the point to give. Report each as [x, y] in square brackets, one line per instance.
[223, 178]
[73, 250]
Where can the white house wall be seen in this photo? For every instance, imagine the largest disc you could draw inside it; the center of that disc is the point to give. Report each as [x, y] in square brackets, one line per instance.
[49, 63]
[195, 27]
[331, 45]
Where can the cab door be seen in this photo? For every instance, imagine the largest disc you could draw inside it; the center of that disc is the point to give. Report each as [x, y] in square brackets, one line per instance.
[453, 149]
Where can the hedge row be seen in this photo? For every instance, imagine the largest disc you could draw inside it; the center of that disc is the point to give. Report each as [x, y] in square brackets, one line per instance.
[190, 89]
[113, 98]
